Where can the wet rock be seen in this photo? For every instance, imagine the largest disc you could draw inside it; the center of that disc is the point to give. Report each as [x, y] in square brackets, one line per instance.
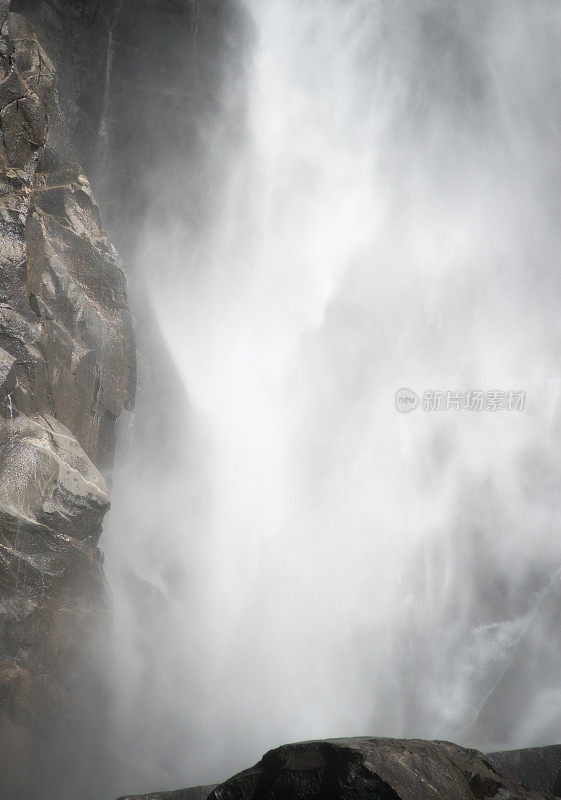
[366, 769]
[538, 768]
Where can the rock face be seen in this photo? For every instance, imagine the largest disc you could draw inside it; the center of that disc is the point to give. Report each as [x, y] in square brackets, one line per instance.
[67, 370]
[92, 84]
[538, 768]
[367, 769]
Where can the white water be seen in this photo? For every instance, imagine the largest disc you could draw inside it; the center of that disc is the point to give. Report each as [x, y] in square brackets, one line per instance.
[104, 124]
[326, 565]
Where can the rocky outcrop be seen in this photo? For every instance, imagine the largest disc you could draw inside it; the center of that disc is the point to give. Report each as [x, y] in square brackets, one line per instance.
[367, 769]
[67, 370]
[192, 793]
[538, 768]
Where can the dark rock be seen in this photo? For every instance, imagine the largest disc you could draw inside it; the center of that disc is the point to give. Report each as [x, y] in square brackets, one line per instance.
[192, 793]
[12, 88]
[538, 768]
[367, 769]
[25, 115]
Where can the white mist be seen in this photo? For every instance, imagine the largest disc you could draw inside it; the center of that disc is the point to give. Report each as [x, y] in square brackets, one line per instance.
[323, 565]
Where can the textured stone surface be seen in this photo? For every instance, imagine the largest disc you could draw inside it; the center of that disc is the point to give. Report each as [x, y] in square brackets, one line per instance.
[367, 769]
[538, 768]
[52, 499]
[67, 370]
[104, 84]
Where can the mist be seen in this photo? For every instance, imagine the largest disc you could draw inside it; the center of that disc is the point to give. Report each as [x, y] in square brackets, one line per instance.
[371, 203]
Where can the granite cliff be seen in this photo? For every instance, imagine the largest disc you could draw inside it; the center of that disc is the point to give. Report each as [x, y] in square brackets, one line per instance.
[67, 370]
[84, 87]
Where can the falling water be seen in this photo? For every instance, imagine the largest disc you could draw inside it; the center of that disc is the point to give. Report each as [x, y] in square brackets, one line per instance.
[195, 20]
[319, 563]
[103, 134]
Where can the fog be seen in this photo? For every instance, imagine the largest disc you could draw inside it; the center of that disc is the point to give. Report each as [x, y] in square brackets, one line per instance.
[374, 204]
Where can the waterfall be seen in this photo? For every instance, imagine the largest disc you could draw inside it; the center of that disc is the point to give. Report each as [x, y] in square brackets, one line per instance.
[103, 134]
[329, 565]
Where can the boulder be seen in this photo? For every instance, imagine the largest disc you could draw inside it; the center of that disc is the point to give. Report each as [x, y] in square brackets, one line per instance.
[367, 769]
